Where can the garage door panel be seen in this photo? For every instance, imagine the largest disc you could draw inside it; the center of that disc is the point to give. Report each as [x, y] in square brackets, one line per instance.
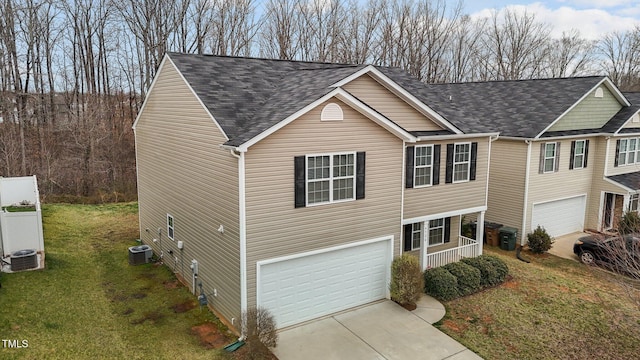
[307, 287]
[560, 217]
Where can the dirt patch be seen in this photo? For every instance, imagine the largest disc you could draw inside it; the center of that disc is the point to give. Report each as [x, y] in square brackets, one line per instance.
[128, 311]
[451, 325]
[139, 295]
[210, 336]
[183, 307]
[170, 285]
[511, 283]
[151, 316]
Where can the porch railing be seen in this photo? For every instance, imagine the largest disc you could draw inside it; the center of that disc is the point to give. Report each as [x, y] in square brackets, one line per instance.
[466, 248]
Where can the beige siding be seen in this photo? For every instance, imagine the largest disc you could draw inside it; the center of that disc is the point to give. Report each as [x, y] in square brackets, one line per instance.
[623, 169]
[275, 228]
[562, 184]
[507, 182]
[631, 124]
[423, 201]
[590, 113]
[380, 98]
[183, 171]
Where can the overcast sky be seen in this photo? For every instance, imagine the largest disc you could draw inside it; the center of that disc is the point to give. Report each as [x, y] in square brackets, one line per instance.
[592, 18]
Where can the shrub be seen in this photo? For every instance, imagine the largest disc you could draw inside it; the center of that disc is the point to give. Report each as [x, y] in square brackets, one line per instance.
[260, 333]
[441, 284]
[488, 272]
[501, 267]
[539, 240]
[468, 277]
[629, 223]
[406, 279]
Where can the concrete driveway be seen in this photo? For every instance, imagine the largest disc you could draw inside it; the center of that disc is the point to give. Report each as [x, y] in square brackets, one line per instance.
[563, 245]
[383, 330]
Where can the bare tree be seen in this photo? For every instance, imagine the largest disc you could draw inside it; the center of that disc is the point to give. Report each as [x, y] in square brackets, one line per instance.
[572, 55]
[621, 58]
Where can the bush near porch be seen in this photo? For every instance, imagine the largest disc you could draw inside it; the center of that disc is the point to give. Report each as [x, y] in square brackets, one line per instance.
[466, 277]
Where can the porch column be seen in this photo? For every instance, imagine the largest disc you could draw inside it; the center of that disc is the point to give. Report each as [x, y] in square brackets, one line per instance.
[423, 247]
[480, 231]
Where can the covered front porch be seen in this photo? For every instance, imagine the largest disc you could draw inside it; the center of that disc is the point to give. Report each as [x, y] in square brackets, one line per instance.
[440, 239]
[615, 202]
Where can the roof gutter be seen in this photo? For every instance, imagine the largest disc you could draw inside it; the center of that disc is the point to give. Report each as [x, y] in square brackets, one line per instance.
[576, 136]
[457, 136]
[232, 149]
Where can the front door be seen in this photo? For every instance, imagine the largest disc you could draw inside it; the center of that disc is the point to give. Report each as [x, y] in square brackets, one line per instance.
[607, 218]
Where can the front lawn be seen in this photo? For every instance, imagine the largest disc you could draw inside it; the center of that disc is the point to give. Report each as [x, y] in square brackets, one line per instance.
[552, 308]
[89, 303]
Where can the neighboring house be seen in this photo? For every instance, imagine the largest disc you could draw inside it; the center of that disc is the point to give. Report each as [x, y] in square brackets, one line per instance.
[568, 153]
[292, 185]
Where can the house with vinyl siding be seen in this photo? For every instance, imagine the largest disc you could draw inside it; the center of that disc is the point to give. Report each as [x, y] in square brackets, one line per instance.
[567, 156]
[292, 185]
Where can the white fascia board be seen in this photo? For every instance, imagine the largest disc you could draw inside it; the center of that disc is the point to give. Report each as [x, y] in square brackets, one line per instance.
[457, 136]
[618, 185]
[626, 122]
[402, 93]
[153, 83]
[344, 97]
[614, 90]
[444, 215]
[166, 57]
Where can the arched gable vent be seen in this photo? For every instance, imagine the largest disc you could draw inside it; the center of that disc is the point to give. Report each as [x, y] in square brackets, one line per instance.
[599, 93]
[635, 118]
[332, 112]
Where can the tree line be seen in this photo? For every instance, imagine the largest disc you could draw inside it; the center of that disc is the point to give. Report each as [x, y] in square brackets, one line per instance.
[74, 74]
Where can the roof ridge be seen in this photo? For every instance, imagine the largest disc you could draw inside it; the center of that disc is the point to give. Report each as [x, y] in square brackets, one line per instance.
[262, 58]
[519, 80]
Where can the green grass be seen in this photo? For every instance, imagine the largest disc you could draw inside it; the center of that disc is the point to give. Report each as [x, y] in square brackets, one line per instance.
[89, 303]
[552, 308]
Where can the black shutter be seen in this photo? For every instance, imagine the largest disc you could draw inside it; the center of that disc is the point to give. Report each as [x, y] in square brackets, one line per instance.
[408, 174]
[573, 154]
[615, 163]
[474, 159]
[557, 165]
[436, 165]
[360, 167]
[449, 171]
[407, 237]
[447, 229]
[300, 181]
[541, 168]
[586, 152]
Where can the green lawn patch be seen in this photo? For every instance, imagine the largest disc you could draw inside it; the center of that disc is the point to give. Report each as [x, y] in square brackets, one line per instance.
[89, 303]
[552, 308]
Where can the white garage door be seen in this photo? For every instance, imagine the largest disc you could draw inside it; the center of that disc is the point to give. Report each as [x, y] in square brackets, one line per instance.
[560, 217]
[316, 284]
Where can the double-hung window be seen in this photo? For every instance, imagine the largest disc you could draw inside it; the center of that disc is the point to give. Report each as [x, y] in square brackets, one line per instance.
[579, 154]
[170, 227]
[633, 202]
[423, 165]
[549, 157]
[436, 232]
[416, 235]
[461, 162]
[330, 178]
[622, 152]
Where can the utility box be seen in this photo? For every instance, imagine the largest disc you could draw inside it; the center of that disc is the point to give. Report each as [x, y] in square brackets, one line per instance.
[140, 254]
[508, 236]
[492, 233]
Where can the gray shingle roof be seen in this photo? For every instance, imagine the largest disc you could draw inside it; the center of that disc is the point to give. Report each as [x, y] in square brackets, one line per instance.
[629, 180]
[247, 96]
[624, 114]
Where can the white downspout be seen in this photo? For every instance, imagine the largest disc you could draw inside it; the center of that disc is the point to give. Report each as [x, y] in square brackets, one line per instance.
[243, 235]
[527, 172]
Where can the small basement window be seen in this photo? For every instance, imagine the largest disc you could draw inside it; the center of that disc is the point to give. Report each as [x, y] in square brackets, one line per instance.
[170, 226]
[332, 112]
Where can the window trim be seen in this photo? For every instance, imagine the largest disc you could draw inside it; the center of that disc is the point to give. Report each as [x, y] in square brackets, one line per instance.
[331, 177]
[443, 227]
[421, 232]
[171, 226]
[416, 166]
[634, 197]
[468, 162]
[545, 158]
[575, 154]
